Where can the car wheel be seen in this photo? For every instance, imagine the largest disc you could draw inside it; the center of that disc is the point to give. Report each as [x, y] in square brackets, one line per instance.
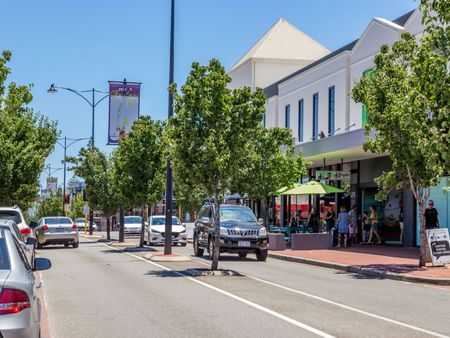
[197, 251]
[75, 245]
[38, 245]
[66, 245]
[183, 244]
[149, 242]
[261, 255]
[242, 254]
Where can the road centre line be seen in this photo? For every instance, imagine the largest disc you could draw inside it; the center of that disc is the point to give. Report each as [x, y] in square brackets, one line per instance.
[392, 321]
[233, 296]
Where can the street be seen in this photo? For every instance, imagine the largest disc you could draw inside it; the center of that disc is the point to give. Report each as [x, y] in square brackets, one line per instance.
[99, 291]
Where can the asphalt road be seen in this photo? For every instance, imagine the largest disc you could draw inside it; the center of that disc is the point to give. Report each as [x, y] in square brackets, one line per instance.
[97, 291]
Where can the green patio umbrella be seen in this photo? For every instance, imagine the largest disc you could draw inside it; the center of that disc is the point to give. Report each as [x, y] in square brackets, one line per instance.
[283, 189]
[312, 188]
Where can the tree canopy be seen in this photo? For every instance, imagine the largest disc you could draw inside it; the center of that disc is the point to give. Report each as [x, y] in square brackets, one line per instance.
[26, 139]
[407, 99]
[210, 133]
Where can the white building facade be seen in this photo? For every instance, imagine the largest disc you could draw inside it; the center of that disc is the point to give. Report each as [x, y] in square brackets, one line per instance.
[327, 125]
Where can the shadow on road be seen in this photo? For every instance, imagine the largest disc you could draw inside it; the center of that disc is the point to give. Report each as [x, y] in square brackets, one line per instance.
[359, 276]
[165, 274]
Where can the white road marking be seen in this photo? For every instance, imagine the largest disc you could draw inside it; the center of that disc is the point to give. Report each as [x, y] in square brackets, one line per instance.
[342, 305]
[240, 299]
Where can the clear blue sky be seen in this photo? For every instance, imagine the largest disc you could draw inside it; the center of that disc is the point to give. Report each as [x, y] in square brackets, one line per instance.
[83, 44]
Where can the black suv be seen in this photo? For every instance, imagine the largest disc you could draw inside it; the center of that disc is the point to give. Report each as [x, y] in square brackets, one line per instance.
[240, 232]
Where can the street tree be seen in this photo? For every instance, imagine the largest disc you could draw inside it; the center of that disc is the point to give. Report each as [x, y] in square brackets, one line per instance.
[404, 118]
[26, 140]
[97, 171]
[271, 164]
[78, 204]
[50, 206]
[139, 166]
[189, 198]
[209, 134]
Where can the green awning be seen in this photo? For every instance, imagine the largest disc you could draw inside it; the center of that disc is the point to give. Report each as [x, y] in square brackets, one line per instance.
[312, 188]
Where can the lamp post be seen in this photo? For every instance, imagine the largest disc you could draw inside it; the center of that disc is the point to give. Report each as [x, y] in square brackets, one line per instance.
[65, 146]
[168, 225]
[54, 89]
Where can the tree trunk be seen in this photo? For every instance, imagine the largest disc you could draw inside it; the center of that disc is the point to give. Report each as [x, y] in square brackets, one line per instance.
[141, 241]
[108, 228]
[216, 233]
[423, 237]
[267, 206]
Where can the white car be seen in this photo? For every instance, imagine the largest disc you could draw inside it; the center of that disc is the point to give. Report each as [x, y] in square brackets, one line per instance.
[156, 229]
[14, 213]
[132, 225]
[80, 224]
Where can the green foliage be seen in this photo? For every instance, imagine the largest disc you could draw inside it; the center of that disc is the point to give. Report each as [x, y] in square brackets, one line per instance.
[407, 101]
[51, 206]
[140, 163]
[270, 164]
[26, 140]
[97, 171]
[78, 204]
[211, 128]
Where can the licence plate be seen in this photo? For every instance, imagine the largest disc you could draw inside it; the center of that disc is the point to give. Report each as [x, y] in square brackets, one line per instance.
[59, 229]
[243, 243]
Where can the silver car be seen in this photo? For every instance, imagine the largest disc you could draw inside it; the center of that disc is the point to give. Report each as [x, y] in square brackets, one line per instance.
[14, 213]
[20, 307]
[132, 225]
[81, 224]
[56, 230]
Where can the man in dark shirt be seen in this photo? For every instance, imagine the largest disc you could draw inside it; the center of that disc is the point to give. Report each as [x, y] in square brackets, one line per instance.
[431, 216]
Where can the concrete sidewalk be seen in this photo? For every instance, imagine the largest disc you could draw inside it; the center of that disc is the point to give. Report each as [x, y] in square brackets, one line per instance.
[375, 260]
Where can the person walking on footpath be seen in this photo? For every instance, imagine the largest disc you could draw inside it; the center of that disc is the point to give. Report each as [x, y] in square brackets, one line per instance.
[366, 226]
[374, 223]
[353, 224]
[342, 224]
[329, 218]
[431, 216]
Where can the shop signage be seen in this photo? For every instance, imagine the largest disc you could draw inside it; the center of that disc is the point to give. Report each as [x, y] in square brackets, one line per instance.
[439, 245]
[123, 109]
[332, 175]
[52, 185]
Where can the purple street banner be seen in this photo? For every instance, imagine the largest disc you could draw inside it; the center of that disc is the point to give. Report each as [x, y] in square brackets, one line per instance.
[123, 109]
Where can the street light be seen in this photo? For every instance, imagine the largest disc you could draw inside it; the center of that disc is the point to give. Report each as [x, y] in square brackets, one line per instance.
[65, 147]
[54, 89]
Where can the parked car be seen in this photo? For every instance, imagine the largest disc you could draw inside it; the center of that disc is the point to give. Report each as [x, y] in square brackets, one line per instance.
[156, 228]
[14, 213]
[56, 230]
[240, 232]
[27, 243]
[132, 225]
[20, 306]
[80, 224]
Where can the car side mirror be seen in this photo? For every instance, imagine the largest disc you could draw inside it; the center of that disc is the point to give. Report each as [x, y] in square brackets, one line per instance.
[42, 264]
[205, 220]
[33, 225]
[260, 221]
[31, 241]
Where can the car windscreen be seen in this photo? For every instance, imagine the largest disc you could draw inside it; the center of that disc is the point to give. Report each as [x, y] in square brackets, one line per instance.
[4, 258]
[12, 215]
[162, 221]
[80, 220]
[58, 220]
[237, 214]
[132, 220]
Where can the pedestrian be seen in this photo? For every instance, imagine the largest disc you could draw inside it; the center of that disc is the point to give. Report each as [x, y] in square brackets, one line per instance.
[329, 218]
[342, 224]
[374, 223]
[353, 224]
[366, 226]
[431, 216]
